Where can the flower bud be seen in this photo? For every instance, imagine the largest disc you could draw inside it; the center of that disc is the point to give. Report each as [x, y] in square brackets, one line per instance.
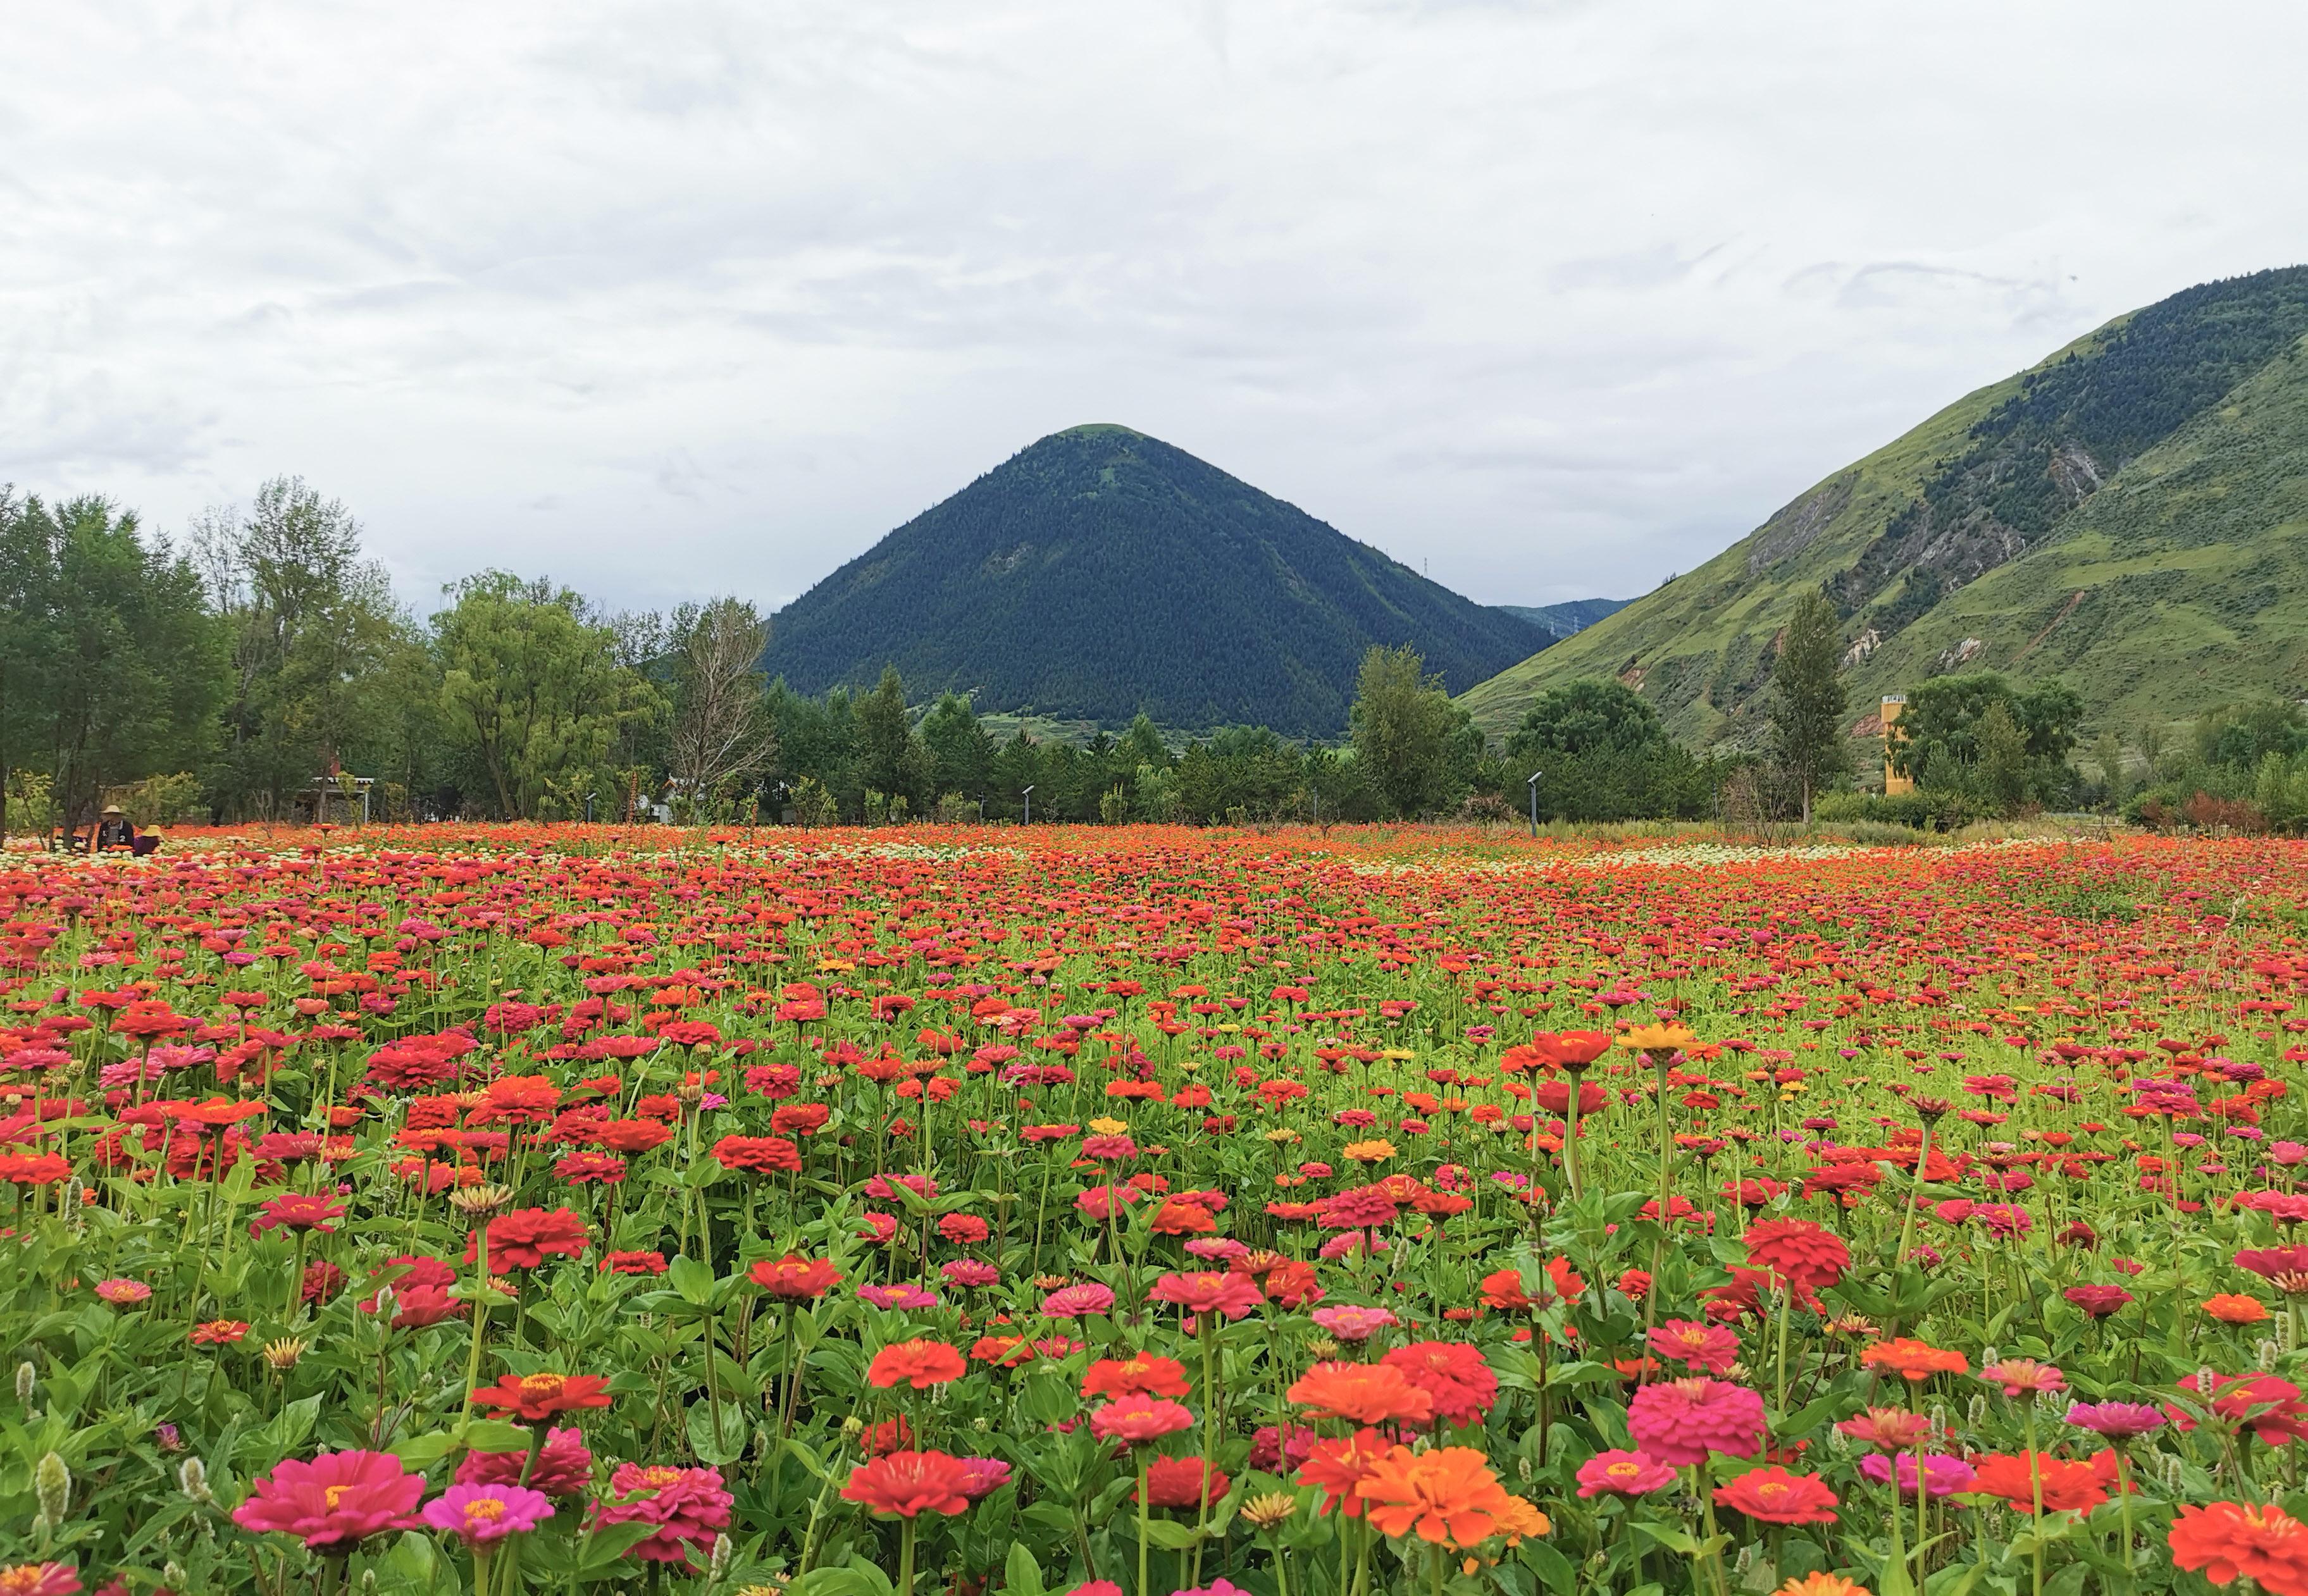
[52, 1487]
[27, 1381]
[193, 1479]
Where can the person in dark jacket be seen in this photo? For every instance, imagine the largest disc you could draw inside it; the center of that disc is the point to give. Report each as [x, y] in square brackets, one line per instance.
[115, 832]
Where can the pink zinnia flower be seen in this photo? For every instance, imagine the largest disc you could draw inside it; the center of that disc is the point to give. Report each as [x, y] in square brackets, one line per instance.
[478, 1514]
[1680, 1422]
[337, 1498]
[688, 1505]
[901, 1296]
[986, 1475]
[1230, 1294]
[2024, 1376]
[1943, 1475]
[124, 1294]
[2117, 1421]
[1622, 1474]
[1696, 1345]
[563, 1468]
[969, 1272]
[1348, 1323]
[1077, 1301]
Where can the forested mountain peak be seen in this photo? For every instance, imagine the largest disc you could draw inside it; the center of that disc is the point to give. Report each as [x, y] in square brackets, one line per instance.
[1099, 573]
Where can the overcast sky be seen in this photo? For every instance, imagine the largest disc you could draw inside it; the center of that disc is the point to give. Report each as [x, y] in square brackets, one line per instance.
[1552, 298]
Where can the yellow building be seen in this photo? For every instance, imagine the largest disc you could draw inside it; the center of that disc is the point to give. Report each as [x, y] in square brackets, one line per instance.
[1894, 784]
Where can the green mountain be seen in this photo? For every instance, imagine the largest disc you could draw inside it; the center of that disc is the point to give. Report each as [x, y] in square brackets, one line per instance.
[2128, 516]
[1562, 620]
[1101, 572]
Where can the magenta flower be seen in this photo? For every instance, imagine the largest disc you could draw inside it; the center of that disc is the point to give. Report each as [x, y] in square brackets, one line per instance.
[124, 1294]
[563, 1466]
[1077, 1301]
[480, 1514]
[1943, 1475]
[2117, 1421]
[1622, 1474]
[986, 1475]
[1680, 1422]
[968, 1271]
[1696, 1345]
[689, 1506]
[336, 1500]
[901, 1296]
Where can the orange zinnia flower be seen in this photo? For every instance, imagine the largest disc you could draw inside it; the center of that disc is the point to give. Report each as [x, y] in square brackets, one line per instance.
[920, 1364]
[1447, 1495]
[1140, 1376]
[1917, 1360]
[2229, 1542]
[2234, 1308]
[2068, 1485]
[1364, 1393]
[1338, 1468]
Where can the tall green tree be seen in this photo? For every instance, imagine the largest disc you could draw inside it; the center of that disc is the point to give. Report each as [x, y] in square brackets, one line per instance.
[533, 693]
[895, 763]
[1602, 753]
[111, 669]
[1404, 732]
[1807, 701]
[319, 650]
[960, 749]
[1949, 742]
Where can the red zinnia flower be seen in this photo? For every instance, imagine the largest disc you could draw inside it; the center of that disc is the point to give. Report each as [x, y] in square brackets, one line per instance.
[542, 1396]
[524, 1238]
[1180, 1483]
[920, 1364]
[794, 1278]
[1799, 1250]
[1774, 1497]
[1455, 1377]
[906, 1484]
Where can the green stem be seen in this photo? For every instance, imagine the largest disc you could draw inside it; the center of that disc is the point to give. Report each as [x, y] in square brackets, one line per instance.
[480, 1306]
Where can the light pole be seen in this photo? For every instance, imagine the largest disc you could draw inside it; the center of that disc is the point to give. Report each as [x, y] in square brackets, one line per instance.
[1534, 801]
[1028, 795]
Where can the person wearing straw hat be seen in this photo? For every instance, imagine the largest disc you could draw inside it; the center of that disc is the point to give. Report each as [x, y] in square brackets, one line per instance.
[113, 831]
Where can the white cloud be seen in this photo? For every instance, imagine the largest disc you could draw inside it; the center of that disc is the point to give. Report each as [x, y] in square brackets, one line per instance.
[1554, 298]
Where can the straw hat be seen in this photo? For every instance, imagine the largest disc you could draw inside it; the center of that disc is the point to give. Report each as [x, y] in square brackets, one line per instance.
[112, 808]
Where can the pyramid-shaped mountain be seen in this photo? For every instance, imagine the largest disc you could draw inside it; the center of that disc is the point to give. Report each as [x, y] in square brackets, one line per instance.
[1101, 572]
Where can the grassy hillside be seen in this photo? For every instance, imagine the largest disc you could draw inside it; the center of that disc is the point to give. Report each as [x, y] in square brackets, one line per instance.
[1101, 572]
[2182, 584]
[2178, 417]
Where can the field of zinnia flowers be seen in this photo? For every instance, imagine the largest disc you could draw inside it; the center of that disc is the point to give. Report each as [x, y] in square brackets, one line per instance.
[1138, 1211]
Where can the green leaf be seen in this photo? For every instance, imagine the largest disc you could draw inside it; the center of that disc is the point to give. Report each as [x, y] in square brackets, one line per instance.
[493, 1435]
[1170, 1536]
[735, 1433]
[1021, 1574]
[1666, 1535]
[1553, 1569]
[691, 1280]
[422, 1452]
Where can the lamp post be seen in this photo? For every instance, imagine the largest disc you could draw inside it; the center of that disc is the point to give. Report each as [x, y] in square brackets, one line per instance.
[1028, 795]
[1534, 801]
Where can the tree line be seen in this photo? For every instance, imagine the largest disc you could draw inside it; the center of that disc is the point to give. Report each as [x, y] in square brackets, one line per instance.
[260, 667]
